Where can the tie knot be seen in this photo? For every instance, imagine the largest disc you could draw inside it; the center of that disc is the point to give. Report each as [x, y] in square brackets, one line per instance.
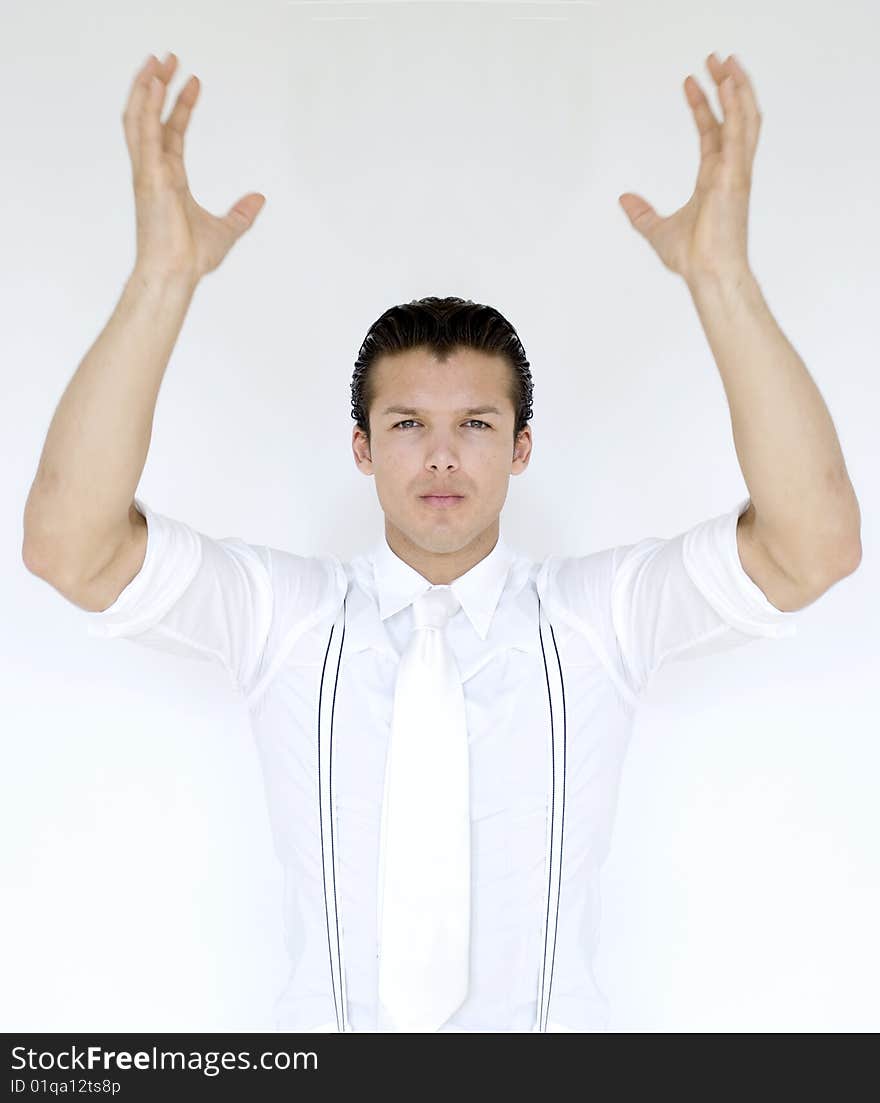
[434, 607]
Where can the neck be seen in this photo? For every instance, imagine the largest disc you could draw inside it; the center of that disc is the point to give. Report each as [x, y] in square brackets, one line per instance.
[441, 567]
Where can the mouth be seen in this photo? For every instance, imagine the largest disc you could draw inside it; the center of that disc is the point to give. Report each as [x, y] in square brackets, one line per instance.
[441, 501]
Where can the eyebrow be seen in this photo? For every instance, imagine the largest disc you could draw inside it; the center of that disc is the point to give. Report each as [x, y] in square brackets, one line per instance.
[417, 413]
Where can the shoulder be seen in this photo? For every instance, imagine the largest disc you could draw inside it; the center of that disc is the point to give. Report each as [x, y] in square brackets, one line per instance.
[310, 582]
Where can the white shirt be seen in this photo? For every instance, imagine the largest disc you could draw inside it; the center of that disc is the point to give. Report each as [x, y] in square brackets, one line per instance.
[313, 645]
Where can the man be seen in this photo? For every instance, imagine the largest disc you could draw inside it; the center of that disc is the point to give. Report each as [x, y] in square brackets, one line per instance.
[441, 721]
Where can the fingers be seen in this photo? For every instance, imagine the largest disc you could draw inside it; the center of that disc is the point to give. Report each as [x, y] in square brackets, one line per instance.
[138, 96]
[133, 108]
[734, 140]
[150, 122]
[178, 120]
[707, 124]
[743, 107]
[749, 101]
[738, 133]
[144, 132]
[731, 67]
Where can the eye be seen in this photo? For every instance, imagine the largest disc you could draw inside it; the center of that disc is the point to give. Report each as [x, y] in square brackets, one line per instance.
[411, 421]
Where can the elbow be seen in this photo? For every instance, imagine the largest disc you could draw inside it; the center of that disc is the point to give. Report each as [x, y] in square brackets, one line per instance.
[35, 561]
[853, 561]
[29, 556]
[853, 556]
[845, 563]
[849, 542]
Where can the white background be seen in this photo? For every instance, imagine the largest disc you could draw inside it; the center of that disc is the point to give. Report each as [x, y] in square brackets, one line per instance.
[411, 149]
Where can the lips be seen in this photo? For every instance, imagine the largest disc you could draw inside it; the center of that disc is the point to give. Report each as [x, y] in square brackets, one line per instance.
[441, 501]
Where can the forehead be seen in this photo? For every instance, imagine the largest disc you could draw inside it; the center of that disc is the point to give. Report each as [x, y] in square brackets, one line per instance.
[417, 377]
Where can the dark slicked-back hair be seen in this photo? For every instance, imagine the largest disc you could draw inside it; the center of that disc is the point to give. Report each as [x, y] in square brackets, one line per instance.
[441, 326]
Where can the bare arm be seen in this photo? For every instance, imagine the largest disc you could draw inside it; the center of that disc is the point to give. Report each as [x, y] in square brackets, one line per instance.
[802, 531]
[805, 511]
[80, 512]
[79, 508]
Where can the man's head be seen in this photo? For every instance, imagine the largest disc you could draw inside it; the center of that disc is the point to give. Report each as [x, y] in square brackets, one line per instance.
[424, 371]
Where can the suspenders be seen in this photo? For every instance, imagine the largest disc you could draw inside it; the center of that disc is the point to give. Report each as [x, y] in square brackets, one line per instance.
[326, 805]
[555, 818]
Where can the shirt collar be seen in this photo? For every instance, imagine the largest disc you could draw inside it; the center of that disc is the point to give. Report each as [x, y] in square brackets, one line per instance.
[477, 590]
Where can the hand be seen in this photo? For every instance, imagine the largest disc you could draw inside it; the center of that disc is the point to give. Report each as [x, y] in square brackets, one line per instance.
[174, 234]
[708, 235]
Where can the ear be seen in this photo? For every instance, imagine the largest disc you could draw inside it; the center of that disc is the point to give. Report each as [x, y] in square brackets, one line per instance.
[361, 450]
[522, 451]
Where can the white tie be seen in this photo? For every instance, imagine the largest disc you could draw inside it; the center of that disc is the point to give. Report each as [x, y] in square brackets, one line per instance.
[425, 837]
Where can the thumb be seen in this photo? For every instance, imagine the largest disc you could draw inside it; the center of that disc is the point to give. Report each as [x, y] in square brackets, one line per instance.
[242, 214]
[641, 214]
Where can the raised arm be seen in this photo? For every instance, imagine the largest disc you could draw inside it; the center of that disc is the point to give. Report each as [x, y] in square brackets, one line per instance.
[82, 532]
[801, 532]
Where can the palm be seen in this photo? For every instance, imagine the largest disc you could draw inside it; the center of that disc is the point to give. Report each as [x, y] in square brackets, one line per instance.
[709, 233]
[670, 237]
[212, 236]
[171, 224]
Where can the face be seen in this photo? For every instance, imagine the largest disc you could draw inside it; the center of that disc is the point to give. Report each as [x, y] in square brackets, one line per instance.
[428, 438]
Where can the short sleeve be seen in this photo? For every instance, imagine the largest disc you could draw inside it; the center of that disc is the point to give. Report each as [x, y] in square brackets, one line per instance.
[216, 600]
[662, 600]
[688, 596]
